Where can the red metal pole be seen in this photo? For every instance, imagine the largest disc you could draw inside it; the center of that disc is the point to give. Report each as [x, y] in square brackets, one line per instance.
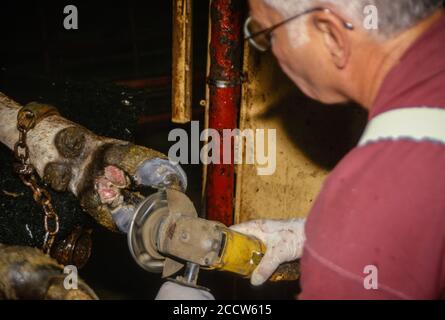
[224, 81]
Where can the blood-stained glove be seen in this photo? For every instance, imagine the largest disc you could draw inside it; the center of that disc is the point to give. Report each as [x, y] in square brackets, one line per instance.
[284, 240]
[173, 291]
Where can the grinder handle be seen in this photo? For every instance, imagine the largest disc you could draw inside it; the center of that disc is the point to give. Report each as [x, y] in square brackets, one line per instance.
[242, 254]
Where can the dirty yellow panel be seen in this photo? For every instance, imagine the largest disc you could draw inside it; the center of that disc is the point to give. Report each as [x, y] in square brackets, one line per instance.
[311, 139]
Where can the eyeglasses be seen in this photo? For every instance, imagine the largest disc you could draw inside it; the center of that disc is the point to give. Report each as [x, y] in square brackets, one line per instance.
[261, 39]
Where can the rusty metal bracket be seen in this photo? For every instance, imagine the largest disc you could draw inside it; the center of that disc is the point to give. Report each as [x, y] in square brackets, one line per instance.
[222, 84]
[39, 111]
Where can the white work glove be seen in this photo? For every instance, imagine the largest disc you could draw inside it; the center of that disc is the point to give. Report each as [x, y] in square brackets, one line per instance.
[174, 291]
[284, 240]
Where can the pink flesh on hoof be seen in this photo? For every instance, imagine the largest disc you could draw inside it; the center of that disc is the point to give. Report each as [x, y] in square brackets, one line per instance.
[116, 176]
[106, 190]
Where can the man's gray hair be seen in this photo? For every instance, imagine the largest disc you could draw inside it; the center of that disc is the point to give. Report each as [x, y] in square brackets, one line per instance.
[394, 16]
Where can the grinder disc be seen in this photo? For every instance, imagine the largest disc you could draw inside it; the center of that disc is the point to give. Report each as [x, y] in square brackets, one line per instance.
[143, 231]
[143, 235]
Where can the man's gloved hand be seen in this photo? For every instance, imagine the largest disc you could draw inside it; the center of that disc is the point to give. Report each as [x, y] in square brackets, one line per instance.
[284, 240]
[174, 291]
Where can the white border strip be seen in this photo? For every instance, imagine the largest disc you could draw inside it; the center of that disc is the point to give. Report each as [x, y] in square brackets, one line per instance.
[418, 124]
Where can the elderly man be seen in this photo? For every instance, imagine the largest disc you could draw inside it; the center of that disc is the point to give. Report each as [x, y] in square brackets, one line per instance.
[377, 229]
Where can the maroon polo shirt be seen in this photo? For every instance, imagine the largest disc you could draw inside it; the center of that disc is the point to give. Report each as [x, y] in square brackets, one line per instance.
[383, 206]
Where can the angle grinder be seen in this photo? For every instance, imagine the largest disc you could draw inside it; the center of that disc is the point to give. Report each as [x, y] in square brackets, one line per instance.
[166, 235]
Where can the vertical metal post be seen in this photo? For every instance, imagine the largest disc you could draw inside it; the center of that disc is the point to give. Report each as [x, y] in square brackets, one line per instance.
[182, 73]
[226, 44]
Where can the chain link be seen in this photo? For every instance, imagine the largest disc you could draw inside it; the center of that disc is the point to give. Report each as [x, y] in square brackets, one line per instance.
[26, 120]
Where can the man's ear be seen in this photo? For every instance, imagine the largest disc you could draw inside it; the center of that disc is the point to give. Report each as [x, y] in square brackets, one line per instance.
[335, 38]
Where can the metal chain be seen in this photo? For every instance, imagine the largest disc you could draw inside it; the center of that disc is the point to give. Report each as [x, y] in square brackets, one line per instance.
[26, 120]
